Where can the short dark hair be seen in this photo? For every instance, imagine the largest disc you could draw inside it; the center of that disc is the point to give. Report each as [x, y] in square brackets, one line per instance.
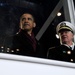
[30, 14]
[23, 11]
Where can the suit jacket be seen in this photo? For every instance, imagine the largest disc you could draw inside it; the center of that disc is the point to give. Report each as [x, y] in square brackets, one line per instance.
[62, 53]
[22, 45]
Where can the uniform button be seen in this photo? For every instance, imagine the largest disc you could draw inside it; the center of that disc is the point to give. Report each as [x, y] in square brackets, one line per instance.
[68, 52]
[71, 59]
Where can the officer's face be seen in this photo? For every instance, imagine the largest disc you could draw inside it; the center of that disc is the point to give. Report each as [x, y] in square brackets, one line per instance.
[66, 36]
[27, 22]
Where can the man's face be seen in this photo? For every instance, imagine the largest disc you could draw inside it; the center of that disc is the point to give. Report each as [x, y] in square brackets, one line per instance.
[66, 36]
[27, 22]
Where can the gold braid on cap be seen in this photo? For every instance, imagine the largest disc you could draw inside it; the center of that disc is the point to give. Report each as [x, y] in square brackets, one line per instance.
[64, 26]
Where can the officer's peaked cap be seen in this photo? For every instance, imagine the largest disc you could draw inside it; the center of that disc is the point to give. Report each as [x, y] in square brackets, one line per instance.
[65, 25]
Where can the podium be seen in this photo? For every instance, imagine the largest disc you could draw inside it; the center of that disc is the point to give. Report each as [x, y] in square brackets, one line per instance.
[24, 65]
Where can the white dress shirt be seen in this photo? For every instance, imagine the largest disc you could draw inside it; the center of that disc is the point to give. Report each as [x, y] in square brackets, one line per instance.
[72, 46]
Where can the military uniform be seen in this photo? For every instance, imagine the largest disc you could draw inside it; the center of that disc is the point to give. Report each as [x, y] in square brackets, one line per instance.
[62, 53]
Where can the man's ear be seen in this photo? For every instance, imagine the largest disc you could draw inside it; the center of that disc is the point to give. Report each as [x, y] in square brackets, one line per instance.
[34, 25]
[20, 24]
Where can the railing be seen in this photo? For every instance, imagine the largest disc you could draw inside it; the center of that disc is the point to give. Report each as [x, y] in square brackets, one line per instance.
[23, 65]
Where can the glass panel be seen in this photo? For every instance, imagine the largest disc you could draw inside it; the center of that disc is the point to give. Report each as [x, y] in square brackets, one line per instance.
[10, 15]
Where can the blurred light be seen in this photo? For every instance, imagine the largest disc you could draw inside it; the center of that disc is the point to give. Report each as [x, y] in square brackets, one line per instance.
[2, 46]
[58, 14]
[17, 49]
[1, 4]
[12, 50]
[71, 59]
[7, 50]
[57, 36]
[2, 50]
[68, 52]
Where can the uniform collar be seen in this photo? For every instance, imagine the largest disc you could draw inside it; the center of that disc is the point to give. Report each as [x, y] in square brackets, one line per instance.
[72, 46]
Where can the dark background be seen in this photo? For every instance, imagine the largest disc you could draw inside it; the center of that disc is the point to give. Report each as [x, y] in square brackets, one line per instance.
[10, 11]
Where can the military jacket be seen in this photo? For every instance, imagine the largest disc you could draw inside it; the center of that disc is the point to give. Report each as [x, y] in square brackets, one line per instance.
[61, 53]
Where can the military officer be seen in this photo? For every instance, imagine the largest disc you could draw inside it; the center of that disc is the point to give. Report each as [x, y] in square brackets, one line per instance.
[66, 50]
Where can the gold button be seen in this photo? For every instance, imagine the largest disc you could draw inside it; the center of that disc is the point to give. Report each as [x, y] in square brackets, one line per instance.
[68, 52]
[71, 59]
